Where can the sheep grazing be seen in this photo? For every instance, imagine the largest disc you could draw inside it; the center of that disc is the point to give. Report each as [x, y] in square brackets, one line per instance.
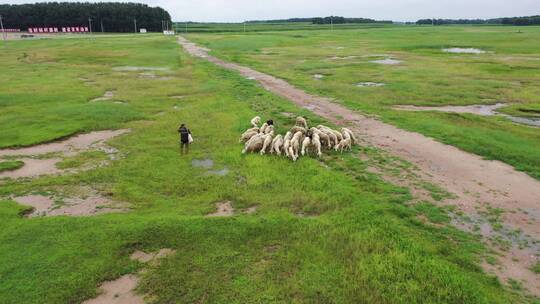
[256, 121]
[324, 139]
[305, 145]
[301, 122]
[351, 134]
[254, 144]
[294, 148]
[263, 128]
[345, 144]
[277, 143]
[267, 142]
[298, 129]
[316, 144]
[287, 142]
[249, 134]
[269, 129]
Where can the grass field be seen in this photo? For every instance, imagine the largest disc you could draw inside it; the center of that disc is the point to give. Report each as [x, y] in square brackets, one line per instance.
[359, 242]
[509, 72]
[266, 27]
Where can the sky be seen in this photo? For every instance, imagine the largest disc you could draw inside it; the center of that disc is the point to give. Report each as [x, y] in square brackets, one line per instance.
[396, 10]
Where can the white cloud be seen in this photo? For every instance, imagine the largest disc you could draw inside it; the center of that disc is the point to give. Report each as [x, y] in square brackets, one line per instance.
[398, 10]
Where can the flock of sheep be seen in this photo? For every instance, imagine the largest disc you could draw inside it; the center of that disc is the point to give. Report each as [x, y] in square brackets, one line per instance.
[300, 140]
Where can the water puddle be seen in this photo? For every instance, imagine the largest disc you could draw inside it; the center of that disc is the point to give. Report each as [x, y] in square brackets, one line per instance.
[342, 57]
[202, 163]
[387, 61]
[482, 110]
[318, 76]
[370, 84]
[221, 172]
[464, 51]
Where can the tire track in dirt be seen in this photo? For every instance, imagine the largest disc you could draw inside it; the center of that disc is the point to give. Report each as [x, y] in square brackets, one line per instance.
[475, 182]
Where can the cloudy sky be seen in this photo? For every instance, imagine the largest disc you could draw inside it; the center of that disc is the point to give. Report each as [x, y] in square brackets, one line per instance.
[397, 10]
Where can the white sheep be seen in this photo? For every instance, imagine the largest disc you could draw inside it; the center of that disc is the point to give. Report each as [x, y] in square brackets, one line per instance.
[345, 144]
[254, 144]
[301, 122]
[267, 142]
[298, 129]
[277, 142]
[269, 129]
[263, 128]
[305, 145]
[287, 142]
[248, 135]
[323, 137]
[294, 148]
[351, 134]
[316, 144]
[256, 121]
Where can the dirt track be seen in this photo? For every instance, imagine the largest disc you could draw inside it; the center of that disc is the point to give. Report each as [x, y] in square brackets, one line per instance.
[476, 182]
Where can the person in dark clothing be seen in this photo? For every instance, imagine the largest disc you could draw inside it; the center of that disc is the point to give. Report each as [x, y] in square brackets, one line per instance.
[185, 138]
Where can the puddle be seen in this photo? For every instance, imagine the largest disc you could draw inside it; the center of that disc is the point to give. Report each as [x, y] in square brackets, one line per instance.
[224, 209]
[318, 76]
[202, 163]
[33, 168]
[138, 68]
[251, 78]
[153, 76]
[387, 61]
[369, 84]
[221, 172]
[72, 206]
[464, 51]
[483, 110]
[342, 57]
[107, 96]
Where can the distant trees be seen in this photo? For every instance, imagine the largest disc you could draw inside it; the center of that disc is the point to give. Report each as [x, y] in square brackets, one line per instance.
[532, 20]
[115, 16]
[343, 20]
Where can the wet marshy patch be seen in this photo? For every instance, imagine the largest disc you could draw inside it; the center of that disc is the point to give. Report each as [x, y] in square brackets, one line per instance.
[457, 50]
[369, 84]
[387, 61]
[208, 164]
[482, 110]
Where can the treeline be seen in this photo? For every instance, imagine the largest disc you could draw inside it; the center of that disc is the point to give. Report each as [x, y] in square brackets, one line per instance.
[321, 20]
[531, 20]
[109, 16]
[343, 20]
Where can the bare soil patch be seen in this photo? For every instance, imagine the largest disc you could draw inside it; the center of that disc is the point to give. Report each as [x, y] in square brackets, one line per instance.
[71, 206]
[144, 257]
[223, 209]
[138, 68]
[369, 84]
[468, 177]
[37, 165]
[107, 96]
[387, 61]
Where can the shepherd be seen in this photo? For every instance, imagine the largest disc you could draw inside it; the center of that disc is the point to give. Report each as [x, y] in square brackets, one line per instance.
[185, 138]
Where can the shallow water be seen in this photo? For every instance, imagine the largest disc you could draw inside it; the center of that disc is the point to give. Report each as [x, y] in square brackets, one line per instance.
[369, 84]
[221, 172]
[464, 51]
[482, 110]
[202, 163]
[387, 61]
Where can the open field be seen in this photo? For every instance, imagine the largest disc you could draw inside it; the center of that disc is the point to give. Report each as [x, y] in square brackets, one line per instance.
[316, 231]
[266, 27]
[427, 76]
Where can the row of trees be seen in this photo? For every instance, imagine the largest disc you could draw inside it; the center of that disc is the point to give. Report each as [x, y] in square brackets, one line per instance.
[343, 20]
[532, 20]
[114, 16]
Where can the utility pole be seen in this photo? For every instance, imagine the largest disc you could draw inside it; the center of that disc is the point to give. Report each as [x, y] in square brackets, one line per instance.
[331, 23]
[90, 25]
[2, 27]
[135, 24]
[102, 29]
[162, 27]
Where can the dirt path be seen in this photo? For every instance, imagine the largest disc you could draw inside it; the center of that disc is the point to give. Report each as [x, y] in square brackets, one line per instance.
[475, 182]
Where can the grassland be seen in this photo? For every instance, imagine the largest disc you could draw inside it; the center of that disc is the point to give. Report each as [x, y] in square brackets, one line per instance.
[359, 242]
[508, 72]
[266, 27]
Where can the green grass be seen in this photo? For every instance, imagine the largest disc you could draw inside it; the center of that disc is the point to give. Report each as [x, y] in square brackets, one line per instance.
[360, 243]
[265, 27]
[427, 77]
[10, 165]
